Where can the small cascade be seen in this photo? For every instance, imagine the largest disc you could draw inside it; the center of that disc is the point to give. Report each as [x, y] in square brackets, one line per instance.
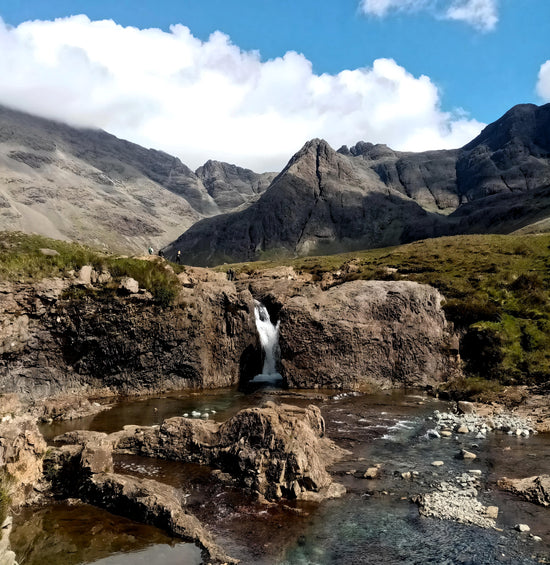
[269, 339]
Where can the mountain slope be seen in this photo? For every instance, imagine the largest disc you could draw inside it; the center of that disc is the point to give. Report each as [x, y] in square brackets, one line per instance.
[371, 196]
[89, 186]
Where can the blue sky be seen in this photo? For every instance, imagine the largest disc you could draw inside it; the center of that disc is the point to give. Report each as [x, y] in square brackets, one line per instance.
[464, 63]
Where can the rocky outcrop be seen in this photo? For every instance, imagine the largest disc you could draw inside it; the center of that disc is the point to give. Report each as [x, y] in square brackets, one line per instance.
[53, 342]
[85, 470]
[362, 333]
[274, 451]
[533, 489]
[22, 448]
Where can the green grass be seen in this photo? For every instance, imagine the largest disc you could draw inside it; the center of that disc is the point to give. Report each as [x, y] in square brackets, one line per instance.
[21, 260]
[496, 289]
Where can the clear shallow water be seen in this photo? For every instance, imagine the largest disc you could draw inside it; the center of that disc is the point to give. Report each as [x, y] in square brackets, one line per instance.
[374, 522]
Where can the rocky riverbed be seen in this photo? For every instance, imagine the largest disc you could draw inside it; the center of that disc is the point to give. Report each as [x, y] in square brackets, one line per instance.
[397, 500]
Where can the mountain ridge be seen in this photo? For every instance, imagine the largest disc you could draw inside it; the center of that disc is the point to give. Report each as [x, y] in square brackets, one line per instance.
[368, 196]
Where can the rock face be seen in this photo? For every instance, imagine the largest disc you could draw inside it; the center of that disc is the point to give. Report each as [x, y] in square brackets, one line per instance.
[532, 489]
[51, 345]
[231, 186]
[363, 333]
[22, 448]
[274, 451]
[371, 196]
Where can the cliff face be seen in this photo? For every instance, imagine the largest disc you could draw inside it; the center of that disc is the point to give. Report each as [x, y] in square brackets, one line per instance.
[50, 344]
[55, 338]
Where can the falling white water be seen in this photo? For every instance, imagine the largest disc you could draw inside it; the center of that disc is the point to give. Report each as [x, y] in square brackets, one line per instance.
[269, 338]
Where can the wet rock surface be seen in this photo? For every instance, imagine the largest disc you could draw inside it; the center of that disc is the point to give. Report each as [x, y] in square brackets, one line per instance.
[275, 451]
[52, 345]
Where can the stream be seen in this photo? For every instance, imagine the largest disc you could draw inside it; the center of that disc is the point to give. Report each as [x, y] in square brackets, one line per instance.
[374, 523]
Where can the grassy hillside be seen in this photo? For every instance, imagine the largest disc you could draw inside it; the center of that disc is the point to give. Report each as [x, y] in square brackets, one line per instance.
[22, 260]
[496, 290]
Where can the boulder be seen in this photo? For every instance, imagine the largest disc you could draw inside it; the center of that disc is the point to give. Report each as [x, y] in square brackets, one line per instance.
[128, 285]
[85, 275]
[274, 451]
[533, 489]
[364, 333]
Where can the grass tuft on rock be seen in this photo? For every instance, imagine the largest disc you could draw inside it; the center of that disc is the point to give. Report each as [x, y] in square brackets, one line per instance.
[26, 257]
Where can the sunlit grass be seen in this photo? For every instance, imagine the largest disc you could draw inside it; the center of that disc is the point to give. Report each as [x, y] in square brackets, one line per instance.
[22, 260]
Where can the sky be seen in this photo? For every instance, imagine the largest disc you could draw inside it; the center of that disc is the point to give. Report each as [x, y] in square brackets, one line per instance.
[250, 81]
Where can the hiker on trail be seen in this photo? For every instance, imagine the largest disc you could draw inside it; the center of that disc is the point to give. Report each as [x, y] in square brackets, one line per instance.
[150, 250]
[230, 275]
[178, 257]
[161, 253]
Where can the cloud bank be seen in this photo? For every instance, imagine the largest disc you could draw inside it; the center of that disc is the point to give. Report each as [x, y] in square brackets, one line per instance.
[211, 100]
[543, 84]
[480, 14]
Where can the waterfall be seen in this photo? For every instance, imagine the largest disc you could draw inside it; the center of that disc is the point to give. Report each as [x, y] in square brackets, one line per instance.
[269, 339]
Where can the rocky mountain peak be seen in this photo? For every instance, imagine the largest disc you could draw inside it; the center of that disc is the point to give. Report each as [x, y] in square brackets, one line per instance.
[524, 124]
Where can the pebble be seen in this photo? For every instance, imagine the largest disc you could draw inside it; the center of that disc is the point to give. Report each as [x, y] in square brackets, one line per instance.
[371, 473]
[467, 454]
[522, 528]
[437, 463]
[475, 472]
[482, 425]
[445, 433]
[492, 512]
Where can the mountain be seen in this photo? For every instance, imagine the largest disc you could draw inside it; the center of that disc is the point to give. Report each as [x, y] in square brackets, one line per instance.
[231, 186]
[89, 186]
[370, 196]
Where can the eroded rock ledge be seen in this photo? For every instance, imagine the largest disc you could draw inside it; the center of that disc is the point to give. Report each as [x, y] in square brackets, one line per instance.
[277, 451]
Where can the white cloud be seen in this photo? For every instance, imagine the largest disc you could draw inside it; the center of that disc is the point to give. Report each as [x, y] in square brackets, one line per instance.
[543, 84]
[211, 100]
[481, 14]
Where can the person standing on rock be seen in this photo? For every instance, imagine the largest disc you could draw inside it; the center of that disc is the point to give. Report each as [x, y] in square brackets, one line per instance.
[150, 250]
[178, 257]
